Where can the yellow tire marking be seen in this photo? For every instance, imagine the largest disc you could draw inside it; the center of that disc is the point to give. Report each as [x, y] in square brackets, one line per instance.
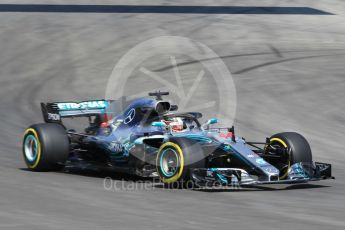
[38, 147]
[289, 163]
[280, 141]
[179, 151]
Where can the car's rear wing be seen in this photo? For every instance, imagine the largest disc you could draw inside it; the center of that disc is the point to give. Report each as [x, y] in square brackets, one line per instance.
[54, 111]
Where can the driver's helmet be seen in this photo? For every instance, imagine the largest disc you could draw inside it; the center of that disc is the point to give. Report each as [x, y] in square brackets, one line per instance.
[175, 123]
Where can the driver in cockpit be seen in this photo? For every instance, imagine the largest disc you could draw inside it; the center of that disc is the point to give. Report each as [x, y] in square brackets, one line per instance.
[176, 124]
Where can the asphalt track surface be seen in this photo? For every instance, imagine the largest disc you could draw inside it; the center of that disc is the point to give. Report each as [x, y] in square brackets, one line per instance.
[287, 61]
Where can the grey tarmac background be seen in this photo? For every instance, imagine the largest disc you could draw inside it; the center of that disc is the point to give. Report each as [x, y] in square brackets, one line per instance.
[289, 71]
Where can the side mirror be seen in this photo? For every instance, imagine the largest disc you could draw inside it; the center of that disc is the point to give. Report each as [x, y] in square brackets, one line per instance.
[158, 124]
[212, 121]
[209, 122]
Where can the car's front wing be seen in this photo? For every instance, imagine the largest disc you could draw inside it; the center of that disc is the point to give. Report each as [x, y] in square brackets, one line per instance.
[298, 173]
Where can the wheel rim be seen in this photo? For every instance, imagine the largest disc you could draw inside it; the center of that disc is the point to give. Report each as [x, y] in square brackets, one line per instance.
[285, 164]
[30, 148]
[169, 162]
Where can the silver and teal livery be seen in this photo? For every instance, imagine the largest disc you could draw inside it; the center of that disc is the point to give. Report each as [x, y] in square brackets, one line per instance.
[147, 137]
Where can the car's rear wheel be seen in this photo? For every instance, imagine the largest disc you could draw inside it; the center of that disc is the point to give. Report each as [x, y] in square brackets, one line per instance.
[45, 147]
[292, 148]
[175, 158]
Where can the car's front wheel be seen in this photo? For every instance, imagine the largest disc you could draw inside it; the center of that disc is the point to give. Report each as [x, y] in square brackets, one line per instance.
[291, 148]
[175, 159]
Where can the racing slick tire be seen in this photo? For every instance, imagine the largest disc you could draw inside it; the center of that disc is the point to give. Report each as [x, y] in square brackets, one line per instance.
[297, 149]
[45, 147]
[176, 158]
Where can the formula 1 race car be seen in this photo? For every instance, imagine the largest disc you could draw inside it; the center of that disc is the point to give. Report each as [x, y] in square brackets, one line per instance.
[149, 138]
